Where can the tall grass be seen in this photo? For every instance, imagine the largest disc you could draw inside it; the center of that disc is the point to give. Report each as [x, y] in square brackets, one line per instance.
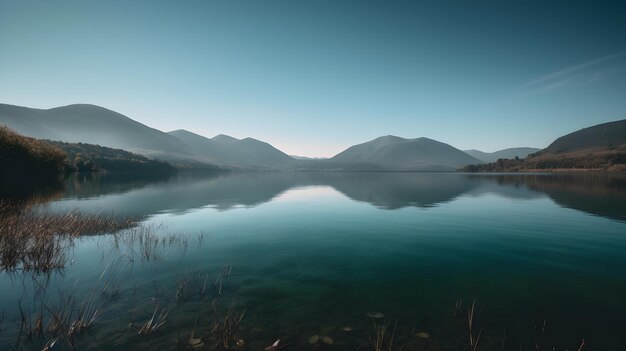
[40, 241]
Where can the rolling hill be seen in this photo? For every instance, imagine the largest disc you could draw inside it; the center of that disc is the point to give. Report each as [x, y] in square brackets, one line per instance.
[520, 152]
[226, 150]
[601, 136]
[82, 123]
[95, 125]
[601, 147]
[399, 154]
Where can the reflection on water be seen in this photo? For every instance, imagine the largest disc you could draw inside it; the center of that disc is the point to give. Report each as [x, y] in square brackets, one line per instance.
[597, 194]
[313, 253]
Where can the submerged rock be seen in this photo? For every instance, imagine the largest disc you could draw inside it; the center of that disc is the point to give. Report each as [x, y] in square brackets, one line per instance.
[196, 342]
[314, 339]
[422, 335]
[327, 340]
[375, 315]
[347, 328]
[274, 346]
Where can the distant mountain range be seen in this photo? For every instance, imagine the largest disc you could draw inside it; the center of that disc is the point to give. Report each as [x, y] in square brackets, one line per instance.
[229, 151]
[520, 152]
[97, 125]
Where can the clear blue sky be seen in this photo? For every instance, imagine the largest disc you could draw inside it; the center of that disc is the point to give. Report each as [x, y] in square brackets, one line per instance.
[313, 77]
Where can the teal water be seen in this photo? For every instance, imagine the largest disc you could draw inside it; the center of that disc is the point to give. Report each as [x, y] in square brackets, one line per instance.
[314, 252]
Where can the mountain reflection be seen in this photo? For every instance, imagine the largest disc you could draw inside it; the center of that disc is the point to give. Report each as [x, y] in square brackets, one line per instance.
[602, 195]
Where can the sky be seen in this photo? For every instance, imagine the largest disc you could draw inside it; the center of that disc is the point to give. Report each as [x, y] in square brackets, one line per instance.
[314, 77]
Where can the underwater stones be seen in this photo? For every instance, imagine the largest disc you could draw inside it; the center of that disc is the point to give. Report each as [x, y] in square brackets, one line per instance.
[327, 340]
[422, 335]
[376, 315]
[241, 343]
[274, 346]
[347, 328]
[314, 339]
[196, 342]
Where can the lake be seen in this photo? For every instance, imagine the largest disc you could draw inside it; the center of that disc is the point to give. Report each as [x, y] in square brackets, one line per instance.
[339, 255]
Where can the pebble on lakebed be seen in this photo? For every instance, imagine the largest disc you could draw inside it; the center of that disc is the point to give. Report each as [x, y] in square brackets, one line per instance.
[314, 339]
[196, 342]
[327, 340]
[423, 335]
[347, 328]
[375, 315]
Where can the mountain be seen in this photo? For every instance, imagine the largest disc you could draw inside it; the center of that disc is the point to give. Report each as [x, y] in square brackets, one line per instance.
[399, 154]
[95, 125]
[520, 152]
[601, 136]
[226, 150]
[221, 138]
[92, 124]
[601, 147]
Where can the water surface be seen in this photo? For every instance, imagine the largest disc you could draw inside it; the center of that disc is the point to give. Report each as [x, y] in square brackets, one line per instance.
[314, 252]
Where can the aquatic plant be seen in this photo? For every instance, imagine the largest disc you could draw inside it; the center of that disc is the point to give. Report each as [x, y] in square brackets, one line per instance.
[40, 241]
[474, 338]
[142, 243]
[382, 340]
[155, 322]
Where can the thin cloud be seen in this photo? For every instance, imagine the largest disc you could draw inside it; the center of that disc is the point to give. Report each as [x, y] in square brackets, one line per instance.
[585, 73]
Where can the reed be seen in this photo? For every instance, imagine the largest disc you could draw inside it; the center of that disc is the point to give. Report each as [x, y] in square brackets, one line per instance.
[383, 340]
[474, 337]
[65, 320]
[35, 240]
[143, 244]
[222, 334]
[155, 322]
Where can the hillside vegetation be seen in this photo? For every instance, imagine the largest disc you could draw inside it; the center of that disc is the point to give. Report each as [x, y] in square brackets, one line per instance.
[92, 158]
[22, 157]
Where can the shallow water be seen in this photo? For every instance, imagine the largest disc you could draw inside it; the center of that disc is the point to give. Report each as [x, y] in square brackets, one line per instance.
[314, 252]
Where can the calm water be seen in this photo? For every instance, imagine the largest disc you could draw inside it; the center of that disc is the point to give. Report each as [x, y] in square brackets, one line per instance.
[314, 252]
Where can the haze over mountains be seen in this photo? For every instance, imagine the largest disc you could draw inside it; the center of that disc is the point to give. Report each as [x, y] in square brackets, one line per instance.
[520, 152]
[226, 150]
[97, 125]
